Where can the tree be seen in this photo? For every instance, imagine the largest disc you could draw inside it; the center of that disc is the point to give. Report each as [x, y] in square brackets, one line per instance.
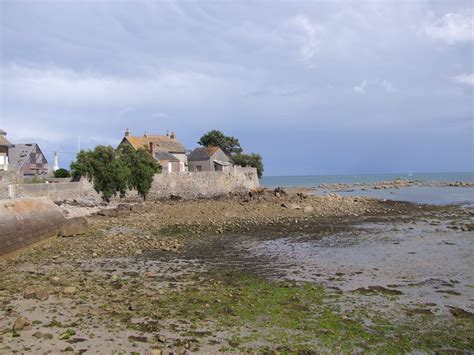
[230, 145]
[114, 171]
[102, 166]
[252, 159]
[142, 166]
[61, 173]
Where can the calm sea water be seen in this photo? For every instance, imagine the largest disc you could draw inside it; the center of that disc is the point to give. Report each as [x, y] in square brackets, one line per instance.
[316, 180]
[431, 195]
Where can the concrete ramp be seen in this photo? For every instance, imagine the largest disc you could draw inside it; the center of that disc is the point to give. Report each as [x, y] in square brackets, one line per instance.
[26, 221]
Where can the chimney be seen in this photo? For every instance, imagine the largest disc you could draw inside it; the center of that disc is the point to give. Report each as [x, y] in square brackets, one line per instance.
[3, 134]
[173, 135]
[56, 162]
[152, 147]
[127, 133]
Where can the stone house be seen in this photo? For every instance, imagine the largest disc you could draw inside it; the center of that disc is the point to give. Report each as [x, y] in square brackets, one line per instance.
[29, 159]
[208, 159]
[5, 145]
[167, 149]
[168, 162]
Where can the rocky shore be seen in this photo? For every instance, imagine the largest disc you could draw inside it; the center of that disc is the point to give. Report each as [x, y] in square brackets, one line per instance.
[395, 184]
[161, 277]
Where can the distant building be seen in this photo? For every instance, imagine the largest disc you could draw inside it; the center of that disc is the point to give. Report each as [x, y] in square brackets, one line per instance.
[166, 149]
[208, 159]
[29, 159]
[5, 146]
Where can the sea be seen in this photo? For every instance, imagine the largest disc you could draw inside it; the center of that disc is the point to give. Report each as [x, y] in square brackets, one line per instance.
[418, 194]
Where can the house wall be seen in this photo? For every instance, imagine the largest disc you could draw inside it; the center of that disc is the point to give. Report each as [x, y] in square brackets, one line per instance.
[205, 164]
[36, 164]
[184, 161]
[3, 158]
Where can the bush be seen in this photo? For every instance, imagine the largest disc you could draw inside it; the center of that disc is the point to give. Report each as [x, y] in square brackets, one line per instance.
[61, 173]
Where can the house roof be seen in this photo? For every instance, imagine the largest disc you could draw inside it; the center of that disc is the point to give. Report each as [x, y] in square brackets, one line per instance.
[4, 142]
[19, 153]
[164, 155]
[161, 143]
[203, 153]
[222, 163]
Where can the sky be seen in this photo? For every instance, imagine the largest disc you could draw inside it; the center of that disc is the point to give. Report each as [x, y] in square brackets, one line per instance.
[315, 87]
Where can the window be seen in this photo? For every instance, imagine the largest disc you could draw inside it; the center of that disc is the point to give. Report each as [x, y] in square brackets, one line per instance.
[198, 167]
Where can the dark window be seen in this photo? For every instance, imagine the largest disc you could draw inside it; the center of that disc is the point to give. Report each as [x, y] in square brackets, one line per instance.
[198, 167]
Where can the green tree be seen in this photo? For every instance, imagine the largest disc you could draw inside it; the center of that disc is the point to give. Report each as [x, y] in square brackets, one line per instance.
[104, 168]
[230, 145]
[142, 166]
[252, 159]
[61, 173]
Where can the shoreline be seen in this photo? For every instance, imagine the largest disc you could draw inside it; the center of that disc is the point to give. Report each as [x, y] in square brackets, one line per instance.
[183, 276]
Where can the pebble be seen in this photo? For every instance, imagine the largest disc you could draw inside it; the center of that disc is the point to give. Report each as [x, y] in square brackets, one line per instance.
[41, 294]
[69, 290]
[20, 323]
[29, 292]
[56, 281]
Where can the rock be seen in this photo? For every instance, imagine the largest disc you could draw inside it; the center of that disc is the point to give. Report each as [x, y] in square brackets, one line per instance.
[21, 323]
[285, 205]
[138, 252]
[73, 226]
[308, 209]
[155, 352]
[149, 274]
[108, 213]
[38, 335]
[56, 281]
[113, 278]
[69, 290]
[468, 227]
[29, 292]
[295, 206]
[41, 294]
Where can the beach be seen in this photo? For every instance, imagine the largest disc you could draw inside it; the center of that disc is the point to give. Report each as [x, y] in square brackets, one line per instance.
[275, 270]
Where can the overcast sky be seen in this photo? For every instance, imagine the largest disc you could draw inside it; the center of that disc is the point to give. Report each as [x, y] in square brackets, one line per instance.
[315, 87]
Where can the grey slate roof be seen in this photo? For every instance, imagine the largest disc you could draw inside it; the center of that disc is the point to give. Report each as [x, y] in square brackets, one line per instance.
[19, 153]
[3, 140]
[164, 155]
[204, 153]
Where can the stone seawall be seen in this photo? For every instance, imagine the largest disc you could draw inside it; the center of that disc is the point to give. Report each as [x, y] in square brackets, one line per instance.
[27, 221]
[57, 191]
[204, 184]
[185, 185]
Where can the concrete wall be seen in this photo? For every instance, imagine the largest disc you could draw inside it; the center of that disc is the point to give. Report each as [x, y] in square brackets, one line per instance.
[27, 221]
[205, 184]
